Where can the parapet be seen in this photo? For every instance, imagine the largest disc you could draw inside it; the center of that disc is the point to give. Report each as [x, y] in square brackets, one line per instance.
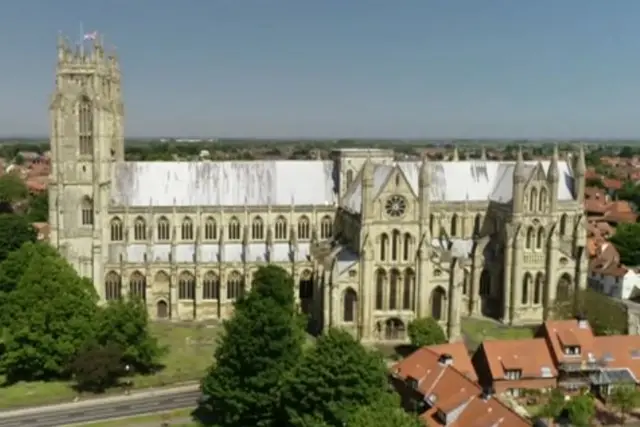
[86, 55]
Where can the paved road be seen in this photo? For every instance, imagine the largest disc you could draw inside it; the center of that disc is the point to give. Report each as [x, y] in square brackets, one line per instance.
[132, 406]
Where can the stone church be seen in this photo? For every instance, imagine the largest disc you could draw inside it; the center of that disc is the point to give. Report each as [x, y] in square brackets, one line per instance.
[371, 242]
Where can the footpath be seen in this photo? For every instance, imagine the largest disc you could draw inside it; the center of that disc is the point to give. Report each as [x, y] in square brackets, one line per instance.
[98, 401]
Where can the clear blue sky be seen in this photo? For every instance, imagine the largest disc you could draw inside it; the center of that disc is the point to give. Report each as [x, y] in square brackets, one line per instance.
[342, 68]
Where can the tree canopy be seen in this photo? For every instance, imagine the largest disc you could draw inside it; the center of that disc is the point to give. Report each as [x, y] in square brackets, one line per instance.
[15, 230]
[125, 325]
[426, 331]
[385, 413]
[334, 378]
[260, 344]
[53, 313]
[581, 410]
[12, 188]
[606, 316]
[627, 241]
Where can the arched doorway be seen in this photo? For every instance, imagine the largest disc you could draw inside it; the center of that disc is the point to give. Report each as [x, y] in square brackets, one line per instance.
[162, 309]
[563, 290]
[350, 300]
[438, 303]
[305, 292]
[485, 293]
[394, 329]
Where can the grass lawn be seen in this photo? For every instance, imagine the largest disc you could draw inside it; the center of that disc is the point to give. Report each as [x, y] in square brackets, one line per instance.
[190, 353]
[175, 418]
[477, 330]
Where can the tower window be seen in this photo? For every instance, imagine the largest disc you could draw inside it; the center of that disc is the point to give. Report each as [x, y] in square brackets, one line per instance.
[87, 211]
[85, 116]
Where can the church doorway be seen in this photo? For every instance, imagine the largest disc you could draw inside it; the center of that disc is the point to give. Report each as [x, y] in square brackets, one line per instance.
[305, 293]
[394, 329]
[563, 290]
[438, 302]
[162, 310]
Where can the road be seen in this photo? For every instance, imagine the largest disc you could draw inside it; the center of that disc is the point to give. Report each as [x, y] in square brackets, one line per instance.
[134, 405]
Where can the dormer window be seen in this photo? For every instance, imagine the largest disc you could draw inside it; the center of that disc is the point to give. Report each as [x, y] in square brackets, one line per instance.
[513, 374]
[572, 350]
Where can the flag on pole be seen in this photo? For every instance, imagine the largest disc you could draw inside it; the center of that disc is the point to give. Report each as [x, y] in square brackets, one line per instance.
[90, 36]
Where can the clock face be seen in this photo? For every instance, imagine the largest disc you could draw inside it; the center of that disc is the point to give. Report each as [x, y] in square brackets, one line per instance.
[395, 206]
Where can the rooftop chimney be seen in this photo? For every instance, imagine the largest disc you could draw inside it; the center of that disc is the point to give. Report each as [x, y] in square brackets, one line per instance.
[445, 359]
[487, 393]
[583, 323]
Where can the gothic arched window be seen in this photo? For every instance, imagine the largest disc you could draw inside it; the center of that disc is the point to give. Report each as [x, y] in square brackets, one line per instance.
[138, 286]
[257, 228]
[281, 228]
[210, 229]
[304, 228]
[85, 126]
[116, 230]
[384, 244]
[454, 225]
[210, 286]
[112, 286]
[234, 229]
[186, 286]
[533, 200]
[163, 229]
[87, 211]
[235, 285]
[139, 229]
[187, 229]
[542, 200]
[326, 227]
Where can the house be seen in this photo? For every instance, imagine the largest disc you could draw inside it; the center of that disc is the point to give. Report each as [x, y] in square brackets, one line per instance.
[587, 362]
[615, 280]
[439, 387]
[515, 365]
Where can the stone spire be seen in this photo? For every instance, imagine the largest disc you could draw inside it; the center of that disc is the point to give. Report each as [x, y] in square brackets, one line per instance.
[579, 175]
[519, 179]
[367, 188]
[553, 172]
[455, 156]
[483, 153]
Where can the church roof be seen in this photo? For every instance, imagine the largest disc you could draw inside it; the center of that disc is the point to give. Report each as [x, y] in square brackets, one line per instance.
[231, 183]
[466, 180]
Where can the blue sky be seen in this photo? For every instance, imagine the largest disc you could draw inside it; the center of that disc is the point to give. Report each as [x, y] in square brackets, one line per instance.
[342, 68]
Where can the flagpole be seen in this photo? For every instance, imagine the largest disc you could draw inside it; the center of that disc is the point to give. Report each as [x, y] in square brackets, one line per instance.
[81, 40]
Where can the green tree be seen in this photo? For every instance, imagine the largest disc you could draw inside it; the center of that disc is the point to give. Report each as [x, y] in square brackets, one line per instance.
[554, 405]
[38, 210]
[53, 315]
[625, 398]
[125, 323]
[606, 315]
[19, 159]
[385, 413]
[12, 188]
[13, 268]
[581, 410]
[426, 331]
[334, 378]
[15, 231]
[627, 241]
[97, 368]
[260, 344]
[594, 182]
[630, 191]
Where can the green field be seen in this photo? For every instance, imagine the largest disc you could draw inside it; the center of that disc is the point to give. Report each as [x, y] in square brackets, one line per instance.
[190, 353]
[477, 330]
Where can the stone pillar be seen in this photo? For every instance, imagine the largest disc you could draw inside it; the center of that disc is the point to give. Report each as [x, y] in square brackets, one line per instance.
[516, 280]
[453, 318]
[422, 284]
[506, 281]
[551, 277]
[173, 295]
[366, 296]
[474, 291]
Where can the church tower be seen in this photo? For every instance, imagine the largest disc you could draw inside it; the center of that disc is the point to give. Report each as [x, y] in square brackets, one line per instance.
[86, 115]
